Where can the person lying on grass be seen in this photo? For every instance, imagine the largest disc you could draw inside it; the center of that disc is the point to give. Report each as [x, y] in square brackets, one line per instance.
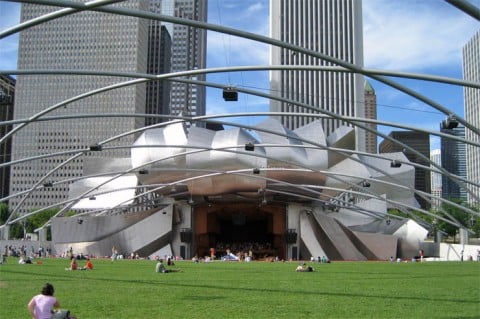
[304, 268]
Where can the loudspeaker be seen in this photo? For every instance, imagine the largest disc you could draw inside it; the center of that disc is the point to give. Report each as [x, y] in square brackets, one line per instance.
[186, 235]
[291, 236]
[230, 94]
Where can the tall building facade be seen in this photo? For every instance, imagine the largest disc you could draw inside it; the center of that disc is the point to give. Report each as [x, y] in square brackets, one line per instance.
[159, 62]
[471, 72]
[436, 178]
[454, 161]
[189, 52]
[420, 142]
[82, 41]
[370, 113]
[7, 97]
[333, 28]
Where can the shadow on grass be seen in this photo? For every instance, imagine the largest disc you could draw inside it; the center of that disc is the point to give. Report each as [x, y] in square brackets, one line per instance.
[248, 289]
[202, 297]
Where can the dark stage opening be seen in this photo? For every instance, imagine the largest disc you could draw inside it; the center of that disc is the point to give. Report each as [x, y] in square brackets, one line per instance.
[245, 231]
[247, 235]
[240, 228]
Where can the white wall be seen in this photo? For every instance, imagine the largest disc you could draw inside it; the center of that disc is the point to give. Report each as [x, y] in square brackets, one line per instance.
[453, 252]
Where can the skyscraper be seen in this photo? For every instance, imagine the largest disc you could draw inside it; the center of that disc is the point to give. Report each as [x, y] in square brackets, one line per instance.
[454, 161]
[189, 52]
[436, 178]
[159, 62]
[471, 72]
[82, 41]
[7, 95]
[370, 113]
[420, 142]
[329, 27]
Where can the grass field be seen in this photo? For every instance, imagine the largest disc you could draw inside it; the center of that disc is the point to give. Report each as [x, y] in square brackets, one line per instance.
[132, 289]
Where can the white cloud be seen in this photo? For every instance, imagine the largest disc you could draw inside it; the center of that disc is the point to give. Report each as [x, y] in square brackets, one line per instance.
[247, 15]
[255, 8]
[9, 14]
[8, 52]
[244, 105]
[9, 44]
[228, 50]
[435, 142]
[8, 60]
[414, 35]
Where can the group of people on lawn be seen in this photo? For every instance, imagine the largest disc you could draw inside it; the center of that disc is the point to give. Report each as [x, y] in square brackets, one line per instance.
[74, 264]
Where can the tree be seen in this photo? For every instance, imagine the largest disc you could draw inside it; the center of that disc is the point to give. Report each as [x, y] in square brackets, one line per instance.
[40, 219]
[3, 213]
[29, 224]
[459, 214]
[16, 230]
[474, 220]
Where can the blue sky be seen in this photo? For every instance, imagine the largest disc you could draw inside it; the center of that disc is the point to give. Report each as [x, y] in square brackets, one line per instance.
[409, 35]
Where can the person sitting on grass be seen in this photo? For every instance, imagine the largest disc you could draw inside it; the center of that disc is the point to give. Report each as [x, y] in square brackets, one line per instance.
[88, 265]
[41, 306]
[73, 264]
[160, 267]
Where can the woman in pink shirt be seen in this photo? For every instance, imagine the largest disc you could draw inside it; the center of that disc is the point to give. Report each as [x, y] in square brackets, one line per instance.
[41, 305]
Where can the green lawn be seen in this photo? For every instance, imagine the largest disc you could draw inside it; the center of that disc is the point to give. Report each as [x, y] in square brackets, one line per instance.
[131, 289]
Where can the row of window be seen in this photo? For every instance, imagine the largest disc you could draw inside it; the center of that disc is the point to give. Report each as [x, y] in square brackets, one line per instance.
[43, 196]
